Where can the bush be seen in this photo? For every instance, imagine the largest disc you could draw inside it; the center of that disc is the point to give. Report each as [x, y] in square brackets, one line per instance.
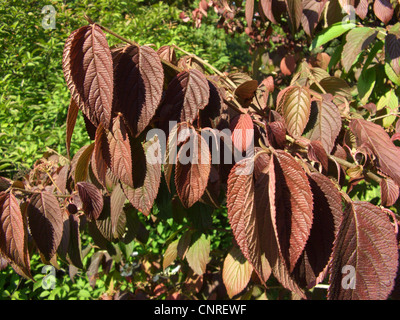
[300, 194]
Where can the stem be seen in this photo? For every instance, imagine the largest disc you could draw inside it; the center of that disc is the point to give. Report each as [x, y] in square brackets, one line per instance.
[347, 164]
[384, 116]
[231, 83]
[343, 162]
[62, 196]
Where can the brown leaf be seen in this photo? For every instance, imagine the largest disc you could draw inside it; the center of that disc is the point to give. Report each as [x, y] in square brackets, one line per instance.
[92, 199]
[296, 107]
[295, 10]
[101, 157]
[375, 138]
[192, 172]
[186, 94]
[120, 151]
[291, 206]
[142, 197]
[389, 192]
[312, 11]
[383, 9]
[167, 53]
[249, 12]
[72, 115]
[392, 49]
[325, 123]
[246, 90]
[13, 237]
[316, 152]
[88, 70]
[139, 79]
[365, 255]
[45, 222]
[246, 223]
[312, 266]
[81, 170]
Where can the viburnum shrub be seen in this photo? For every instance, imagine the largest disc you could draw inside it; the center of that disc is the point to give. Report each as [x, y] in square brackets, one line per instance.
[213, 139]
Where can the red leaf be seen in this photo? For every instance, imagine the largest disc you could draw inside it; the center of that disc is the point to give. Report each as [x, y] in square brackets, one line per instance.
[312, 10]
[291, 206]
[72, 115]
[327, 122]
[389, 192]
[13, 240]
[92, 199]
[316, 152]
[120, 151]
[186, 94]
[191, 173]
[288, 65]
[142, 197]
[242, 129]
[365, 255]
[383, 9]
[246, 223]
[312, 266]
[88, 70]
[45, 222]
[139, 79]
[375, 138]
[249, 12]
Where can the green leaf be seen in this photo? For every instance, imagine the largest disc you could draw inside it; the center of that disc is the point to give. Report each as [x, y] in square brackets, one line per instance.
[391, 74]
[390, 101]
[236, 272]
[333, 32]
[357, 40]
[198, 254]
[366, 84]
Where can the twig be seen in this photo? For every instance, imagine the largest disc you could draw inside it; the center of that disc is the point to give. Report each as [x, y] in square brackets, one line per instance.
[229, 81]
[65, 196]
[347, 164]
[342, 162]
